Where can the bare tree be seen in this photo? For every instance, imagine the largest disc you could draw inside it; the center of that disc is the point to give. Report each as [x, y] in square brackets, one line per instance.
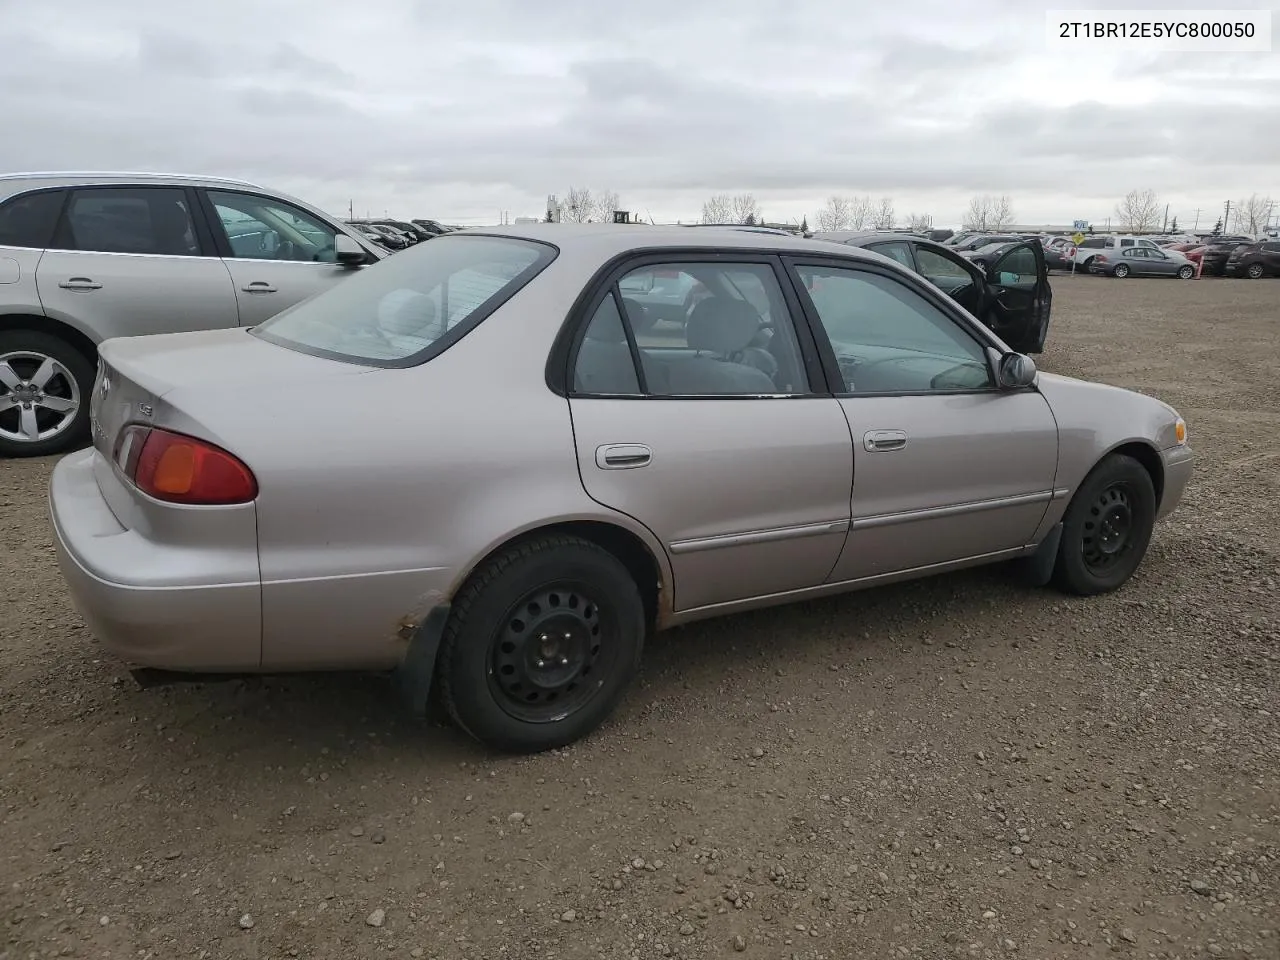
[862, 213]
[745, 209]
[919, 222]
[884, 214]
[605, 203]
[836, 214]
[578, 205]
[1253, 215]
[988, 213]
[1001, 212]
[718, 209]
[1139, 211]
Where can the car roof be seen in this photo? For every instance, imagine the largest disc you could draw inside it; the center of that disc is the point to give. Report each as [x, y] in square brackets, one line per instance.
[11, 183]
[606, 240]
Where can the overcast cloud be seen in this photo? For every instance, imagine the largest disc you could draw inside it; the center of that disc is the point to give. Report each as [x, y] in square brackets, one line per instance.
[459, 110]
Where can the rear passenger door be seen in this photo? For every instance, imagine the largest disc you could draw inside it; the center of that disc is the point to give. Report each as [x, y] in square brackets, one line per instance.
[131, 260]
[277, 253]
[716, 432]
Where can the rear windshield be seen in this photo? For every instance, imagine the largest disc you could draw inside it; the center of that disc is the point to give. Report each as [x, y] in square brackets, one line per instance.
[407, 308]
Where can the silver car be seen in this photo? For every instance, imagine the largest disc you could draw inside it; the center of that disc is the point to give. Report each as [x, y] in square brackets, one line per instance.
[1143, 262]
[472, 467]
[89, 256]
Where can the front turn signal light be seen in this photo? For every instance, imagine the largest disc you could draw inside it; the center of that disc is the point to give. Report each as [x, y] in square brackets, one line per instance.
[1180, 430]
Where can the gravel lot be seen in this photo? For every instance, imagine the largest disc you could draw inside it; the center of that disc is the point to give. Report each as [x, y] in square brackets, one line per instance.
[957, 767]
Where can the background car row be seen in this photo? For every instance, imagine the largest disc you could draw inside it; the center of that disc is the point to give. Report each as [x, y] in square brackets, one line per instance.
[398, 234]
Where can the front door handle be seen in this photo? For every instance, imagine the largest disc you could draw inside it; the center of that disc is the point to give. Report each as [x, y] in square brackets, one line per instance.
[258, 286]
[878, 441]
[623, 456]
[80, 283]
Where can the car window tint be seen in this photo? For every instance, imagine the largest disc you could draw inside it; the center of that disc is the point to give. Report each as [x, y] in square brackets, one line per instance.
[895, 250]
[604, 364]
[267, 229]
[887, 338]
[934, 264]
[152, 220]
[703, 329]
[404, 308]
[28, 220]
[1017, 268]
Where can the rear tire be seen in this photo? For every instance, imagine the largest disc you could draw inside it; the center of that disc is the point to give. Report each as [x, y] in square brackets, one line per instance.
[1254, 271]
[69, 382]
[1120, 271]
[541, 644]
[1107, 528]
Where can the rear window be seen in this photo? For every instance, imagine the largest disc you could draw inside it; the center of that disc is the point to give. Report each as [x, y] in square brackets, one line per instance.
[408, 308]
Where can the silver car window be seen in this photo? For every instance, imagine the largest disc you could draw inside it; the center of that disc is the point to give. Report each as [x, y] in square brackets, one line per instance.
[407, 308]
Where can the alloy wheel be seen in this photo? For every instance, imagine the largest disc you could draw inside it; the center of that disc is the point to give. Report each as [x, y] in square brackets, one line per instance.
[39, 397]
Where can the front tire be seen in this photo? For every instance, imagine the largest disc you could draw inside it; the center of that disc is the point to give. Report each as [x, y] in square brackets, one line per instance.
[1186, 271]
[45, 385]
[541, 644]
[1107, 528]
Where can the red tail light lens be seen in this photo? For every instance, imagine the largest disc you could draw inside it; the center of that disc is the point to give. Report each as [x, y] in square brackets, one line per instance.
[180, 469]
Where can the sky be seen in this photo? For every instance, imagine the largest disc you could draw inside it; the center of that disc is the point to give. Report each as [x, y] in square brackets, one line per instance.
[462, 111]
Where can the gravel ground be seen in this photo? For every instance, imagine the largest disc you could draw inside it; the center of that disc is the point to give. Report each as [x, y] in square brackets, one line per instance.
[957, 767]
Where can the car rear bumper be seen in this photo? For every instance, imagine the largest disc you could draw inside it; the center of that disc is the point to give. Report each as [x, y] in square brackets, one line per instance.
[136, 595]
[1177, 472]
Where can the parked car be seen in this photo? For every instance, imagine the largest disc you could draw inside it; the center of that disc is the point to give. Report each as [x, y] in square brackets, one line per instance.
[434, 227]
[1142, 262]
[1254, 260]
[371, 234]
[1011, 295]
[1090, 247]
[92, 256]
[1058, 253]
[983, 239]
[1217, 252]
[415, 232]
[199, 534]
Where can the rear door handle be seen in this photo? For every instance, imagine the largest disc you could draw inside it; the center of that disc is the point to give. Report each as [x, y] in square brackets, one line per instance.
[258, 286]
[623, 456]
[80, 283]
[878, 441]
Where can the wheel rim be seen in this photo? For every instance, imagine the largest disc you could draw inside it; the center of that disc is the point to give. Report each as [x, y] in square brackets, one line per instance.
[1108, 530]
[1255, 270]
[1186, 272]
[1122, 271]
[551, 654]
[39, 397]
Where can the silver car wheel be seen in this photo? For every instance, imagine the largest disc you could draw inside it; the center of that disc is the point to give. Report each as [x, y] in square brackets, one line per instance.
[39, 397]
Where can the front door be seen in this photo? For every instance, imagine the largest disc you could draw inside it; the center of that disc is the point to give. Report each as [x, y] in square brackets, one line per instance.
[955, 276]
[947, 467]
[1019, 297]
[130, 260]
[277, 253]
[714, 441]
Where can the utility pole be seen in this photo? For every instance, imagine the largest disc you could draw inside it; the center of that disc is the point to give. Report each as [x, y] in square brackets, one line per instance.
[1226, 220]
[1165, 227]
[351, 209]
[1196, 225]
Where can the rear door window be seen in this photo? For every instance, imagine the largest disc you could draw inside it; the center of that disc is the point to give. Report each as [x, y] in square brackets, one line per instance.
[146, 220]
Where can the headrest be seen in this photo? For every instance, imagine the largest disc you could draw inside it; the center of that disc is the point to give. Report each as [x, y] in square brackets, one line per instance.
[408, 313]
[606, 325]
[721, 325]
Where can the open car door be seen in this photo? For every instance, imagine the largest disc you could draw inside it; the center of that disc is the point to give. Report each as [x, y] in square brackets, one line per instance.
[1020, 296]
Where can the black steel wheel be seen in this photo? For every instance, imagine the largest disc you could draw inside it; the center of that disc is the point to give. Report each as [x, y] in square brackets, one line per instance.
[1107, 527]
[541, 644]
[549, 657]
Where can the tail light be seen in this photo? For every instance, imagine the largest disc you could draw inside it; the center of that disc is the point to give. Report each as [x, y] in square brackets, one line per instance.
[1100, 258]
[181, 469]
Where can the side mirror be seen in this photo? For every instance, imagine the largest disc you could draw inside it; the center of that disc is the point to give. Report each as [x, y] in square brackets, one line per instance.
[347, 252]
[1015, 371]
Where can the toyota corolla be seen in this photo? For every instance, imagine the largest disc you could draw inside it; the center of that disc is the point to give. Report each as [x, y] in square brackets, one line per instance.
[481, 465]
